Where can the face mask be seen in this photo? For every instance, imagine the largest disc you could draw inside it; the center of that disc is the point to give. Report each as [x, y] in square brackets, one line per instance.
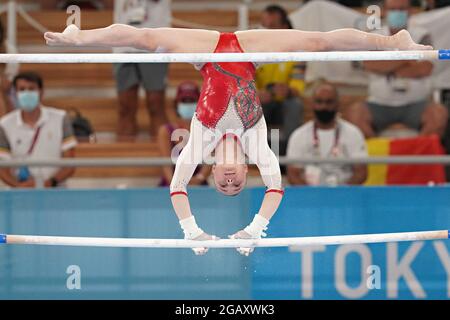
[186, 110]
[397, 19]
[28, 100]
[325, 116]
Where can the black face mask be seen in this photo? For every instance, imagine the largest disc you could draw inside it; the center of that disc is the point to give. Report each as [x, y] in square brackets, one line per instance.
[325, 116]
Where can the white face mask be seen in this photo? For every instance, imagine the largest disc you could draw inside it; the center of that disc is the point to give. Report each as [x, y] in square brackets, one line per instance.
[28, 100]
[186, 110]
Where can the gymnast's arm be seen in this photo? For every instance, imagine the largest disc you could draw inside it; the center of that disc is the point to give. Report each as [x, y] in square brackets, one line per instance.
[337, 40]
[150, 39]
[269, 168]
[197, 148]
[184, 169]
[272, 180]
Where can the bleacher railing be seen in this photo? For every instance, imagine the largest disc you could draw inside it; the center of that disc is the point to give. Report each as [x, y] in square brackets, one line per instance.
[160, 161]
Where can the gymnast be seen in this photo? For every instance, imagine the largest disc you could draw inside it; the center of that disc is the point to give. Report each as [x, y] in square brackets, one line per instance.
[228, 124]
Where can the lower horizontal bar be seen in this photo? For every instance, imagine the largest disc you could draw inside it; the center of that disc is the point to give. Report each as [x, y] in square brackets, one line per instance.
[225, 243]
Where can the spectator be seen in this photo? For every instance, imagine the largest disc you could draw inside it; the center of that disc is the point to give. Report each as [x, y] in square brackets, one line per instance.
[326, 136]
[280, 85]
[186, 100]
[34, 131]
[151, 76]
[399, 91]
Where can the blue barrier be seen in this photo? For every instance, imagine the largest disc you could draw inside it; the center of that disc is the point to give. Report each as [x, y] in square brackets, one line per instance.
[336, 272]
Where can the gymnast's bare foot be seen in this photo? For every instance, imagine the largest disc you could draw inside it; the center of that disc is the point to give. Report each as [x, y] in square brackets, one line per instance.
[403, 41]
[69, 37]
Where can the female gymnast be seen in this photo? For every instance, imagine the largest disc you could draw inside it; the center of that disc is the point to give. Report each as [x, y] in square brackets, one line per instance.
[229, 121]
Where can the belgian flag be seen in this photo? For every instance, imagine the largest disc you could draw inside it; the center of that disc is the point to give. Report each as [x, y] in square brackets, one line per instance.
[400, 174]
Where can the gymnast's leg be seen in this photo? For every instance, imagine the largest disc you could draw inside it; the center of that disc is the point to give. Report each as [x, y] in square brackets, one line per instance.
[150, 39]
[342, 39]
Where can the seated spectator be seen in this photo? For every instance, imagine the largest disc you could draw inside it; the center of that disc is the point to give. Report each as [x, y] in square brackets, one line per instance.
[34, 131]
[326, 136]
[280, 85]
[186, 100]
[131, 76]
[399, 91]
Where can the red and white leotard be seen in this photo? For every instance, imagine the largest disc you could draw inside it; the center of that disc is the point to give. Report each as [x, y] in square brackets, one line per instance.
[228, 87]
[228, 104]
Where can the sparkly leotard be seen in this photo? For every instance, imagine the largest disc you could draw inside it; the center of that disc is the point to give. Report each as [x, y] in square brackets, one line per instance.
[228, 98]
[228, 104]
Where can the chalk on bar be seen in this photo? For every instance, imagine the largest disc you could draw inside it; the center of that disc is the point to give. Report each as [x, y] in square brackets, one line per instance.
[2, 238]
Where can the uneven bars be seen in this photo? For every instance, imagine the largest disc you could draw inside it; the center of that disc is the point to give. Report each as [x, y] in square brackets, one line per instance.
[223, 57]
[225, 243]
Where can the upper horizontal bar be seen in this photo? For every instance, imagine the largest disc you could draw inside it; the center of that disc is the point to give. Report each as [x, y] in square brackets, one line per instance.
[159, 161]
[223, 57]
[225, 243]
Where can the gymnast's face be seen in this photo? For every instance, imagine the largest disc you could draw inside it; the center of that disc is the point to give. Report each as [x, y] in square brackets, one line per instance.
[230, 179]
[230, 170]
